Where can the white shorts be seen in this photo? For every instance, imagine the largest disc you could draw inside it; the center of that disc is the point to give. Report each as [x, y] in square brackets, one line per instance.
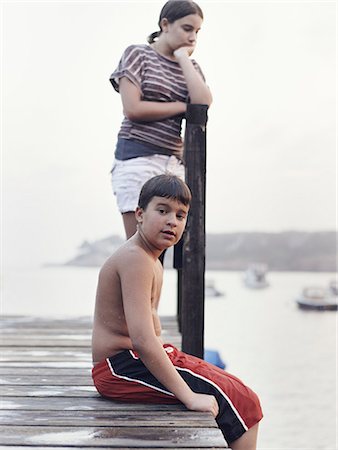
[129, 176]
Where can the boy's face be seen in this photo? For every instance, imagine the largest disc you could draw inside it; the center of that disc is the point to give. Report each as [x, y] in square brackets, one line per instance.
[163, 221]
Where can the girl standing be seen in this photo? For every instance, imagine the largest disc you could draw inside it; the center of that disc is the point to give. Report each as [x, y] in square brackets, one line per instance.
[156, 81]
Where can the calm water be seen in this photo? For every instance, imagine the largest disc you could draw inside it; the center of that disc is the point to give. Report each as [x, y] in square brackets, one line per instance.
[286, 355]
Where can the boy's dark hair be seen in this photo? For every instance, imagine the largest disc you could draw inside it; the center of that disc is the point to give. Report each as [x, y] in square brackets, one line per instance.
[174, 10]
[166, 185]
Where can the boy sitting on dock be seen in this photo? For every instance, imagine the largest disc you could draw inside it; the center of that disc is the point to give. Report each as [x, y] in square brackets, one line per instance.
[130, 361]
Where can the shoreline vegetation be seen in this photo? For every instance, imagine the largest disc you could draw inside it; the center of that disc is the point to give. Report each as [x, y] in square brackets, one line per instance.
[284, 251]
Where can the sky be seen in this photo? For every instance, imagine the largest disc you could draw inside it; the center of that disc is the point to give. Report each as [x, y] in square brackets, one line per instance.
[271, 135]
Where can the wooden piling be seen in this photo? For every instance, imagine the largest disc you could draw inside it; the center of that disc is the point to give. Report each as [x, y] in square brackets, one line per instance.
[193, 258]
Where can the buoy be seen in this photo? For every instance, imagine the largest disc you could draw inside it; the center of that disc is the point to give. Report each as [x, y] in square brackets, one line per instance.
[213, 357]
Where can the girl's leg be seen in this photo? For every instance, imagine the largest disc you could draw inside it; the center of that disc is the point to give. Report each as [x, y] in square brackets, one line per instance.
[248, 441]
[129, 223]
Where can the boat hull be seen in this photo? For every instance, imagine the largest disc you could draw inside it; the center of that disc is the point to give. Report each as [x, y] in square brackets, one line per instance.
[317, 307]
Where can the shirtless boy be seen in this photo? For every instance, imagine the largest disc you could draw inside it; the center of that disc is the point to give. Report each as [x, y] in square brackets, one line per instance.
[130, 361]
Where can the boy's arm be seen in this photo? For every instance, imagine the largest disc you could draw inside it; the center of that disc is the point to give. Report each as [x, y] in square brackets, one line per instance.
[136, 282]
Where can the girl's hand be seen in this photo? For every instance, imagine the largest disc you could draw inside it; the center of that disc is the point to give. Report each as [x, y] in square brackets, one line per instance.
[204, 403]
[182, 52]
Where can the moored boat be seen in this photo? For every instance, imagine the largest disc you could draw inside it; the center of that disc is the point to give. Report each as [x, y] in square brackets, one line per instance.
[317, 298]
[333, 287]
[255, 276]
[210, 289]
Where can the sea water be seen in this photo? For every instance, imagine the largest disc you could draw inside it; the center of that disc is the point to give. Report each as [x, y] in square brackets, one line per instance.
[288, 356]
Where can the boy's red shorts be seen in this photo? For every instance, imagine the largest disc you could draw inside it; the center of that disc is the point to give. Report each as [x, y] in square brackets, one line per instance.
[125, 378]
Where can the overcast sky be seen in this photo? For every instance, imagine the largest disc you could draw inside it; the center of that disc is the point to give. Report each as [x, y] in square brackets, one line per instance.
[271, 131]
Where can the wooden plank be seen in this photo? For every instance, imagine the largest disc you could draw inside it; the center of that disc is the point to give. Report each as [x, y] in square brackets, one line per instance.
[80, 404]
[174, 419]
[114, 437]
[44, 341]
[49, 391]
[15, 369]
[83, 365]
[44, 330]
[69, 324]
[17, 447]
[41, 379]
[45, 354]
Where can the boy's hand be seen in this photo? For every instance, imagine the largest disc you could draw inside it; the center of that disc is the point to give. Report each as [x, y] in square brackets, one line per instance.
[204, 403]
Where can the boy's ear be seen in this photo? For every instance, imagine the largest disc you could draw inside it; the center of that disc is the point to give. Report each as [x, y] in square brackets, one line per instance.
[139, 214]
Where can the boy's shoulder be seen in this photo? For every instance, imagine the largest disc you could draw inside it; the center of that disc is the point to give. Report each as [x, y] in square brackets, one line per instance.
[128, 257]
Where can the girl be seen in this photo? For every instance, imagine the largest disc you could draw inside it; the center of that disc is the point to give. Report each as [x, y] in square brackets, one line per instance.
[156, 82]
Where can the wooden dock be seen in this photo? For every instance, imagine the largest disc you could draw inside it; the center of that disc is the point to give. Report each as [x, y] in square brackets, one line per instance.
[48, 400]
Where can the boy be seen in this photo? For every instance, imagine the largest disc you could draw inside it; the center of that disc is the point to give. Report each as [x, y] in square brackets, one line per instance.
[130, 361]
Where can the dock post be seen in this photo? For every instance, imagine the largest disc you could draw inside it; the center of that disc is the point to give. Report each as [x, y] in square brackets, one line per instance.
[193, 257]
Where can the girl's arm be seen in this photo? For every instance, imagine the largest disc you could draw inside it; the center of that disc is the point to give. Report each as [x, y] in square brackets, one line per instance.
[138, 110]
[198, 91]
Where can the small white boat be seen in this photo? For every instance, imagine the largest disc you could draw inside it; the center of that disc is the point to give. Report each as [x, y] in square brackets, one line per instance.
[317, 298]
[333, 288]
[210, 290]
[255, 276]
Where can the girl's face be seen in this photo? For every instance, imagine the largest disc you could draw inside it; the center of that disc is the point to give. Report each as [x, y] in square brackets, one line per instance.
[182, 32]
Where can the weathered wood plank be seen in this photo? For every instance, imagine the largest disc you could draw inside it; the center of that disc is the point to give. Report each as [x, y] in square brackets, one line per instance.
[44, 330]
[56, 365]
[59, 323]
[16, 447]
[44, 341]
[45, 354]
[137, 437]
[174, 419]
[41, 379]
[15, 369]
[80, 404]
[49, 391]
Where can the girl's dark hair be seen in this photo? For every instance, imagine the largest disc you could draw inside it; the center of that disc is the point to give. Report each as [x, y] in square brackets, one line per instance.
[174, 10]
[166, 185]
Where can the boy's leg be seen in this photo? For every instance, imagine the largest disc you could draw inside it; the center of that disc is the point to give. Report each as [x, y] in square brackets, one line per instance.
[125, 378]
[239, 407]
[248, 441]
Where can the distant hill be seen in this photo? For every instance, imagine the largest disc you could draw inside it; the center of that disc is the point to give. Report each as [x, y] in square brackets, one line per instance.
[95, 253]
[287, 251]
[291, 251]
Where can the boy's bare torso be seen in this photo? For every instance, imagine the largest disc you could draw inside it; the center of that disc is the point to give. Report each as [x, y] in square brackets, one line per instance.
[110, 332]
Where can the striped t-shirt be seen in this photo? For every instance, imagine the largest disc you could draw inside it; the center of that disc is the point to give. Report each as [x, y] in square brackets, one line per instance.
[159, 80]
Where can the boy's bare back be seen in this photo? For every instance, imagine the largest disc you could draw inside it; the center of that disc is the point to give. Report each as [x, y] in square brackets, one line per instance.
[110, 332]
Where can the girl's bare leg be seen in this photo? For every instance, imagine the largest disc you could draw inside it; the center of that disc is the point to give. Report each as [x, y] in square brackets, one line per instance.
[129, 223]
[248, 441]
